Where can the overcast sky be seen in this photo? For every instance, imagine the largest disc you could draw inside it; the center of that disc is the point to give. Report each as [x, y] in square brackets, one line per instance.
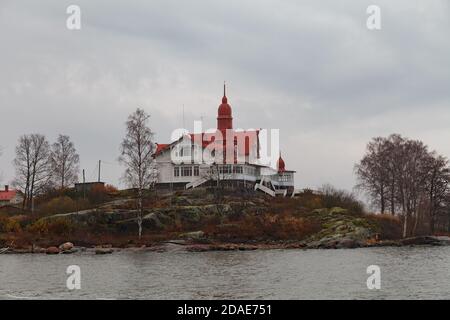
[310, 68]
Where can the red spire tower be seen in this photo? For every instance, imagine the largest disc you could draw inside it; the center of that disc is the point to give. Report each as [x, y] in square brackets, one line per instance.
[224, 117]
[281, 165]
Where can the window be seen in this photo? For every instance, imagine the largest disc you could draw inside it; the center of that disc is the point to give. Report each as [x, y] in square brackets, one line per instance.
[186, 151]
[250, 171]
[186, 171]
[237, 169]
[176, 171]
[197, 154]
[285, 178]
[196, 171]
[225, 169]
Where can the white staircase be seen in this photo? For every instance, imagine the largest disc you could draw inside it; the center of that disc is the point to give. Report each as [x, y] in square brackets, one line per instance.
[261, 187]
[196, 183]
[282, 192]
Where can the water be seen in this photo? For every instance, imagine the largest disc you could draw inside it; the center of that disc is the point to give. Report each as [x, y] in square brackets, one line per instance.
[417, 272]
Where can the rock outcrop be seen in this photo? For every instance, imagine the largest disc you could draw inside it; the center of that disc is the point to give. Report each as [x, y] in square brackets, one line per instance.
[52, 250]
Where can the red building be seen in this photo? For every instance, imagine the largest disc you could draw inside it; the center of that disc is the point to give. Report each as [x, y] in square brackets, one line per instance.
[10, 197]
[225, 154]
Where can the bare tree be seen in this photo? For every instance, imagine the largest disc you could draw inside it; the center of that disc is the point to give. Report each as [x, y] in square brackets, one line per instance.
[404, 174]
[32, 164]
[64, 161]
[137, 150]
[437, 186]
[372, 172]
[412, 175]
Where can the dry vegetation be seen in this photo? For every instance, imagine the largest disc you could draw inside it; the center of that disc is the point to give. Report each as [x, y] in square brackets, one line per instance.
[236, 217]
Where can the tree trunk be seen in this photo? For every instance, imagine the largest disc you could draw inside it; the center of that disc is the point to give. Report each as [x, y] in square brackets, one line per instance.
[393, 196]
[416, 222]
[140, 212]
[432, 224]
[405, 225]
[139, 227]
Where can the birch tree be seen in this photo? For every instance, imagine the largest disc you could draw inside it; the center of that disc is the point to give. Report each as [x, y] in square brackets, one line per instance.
[137, 150]
[64, 162]
[32, 165]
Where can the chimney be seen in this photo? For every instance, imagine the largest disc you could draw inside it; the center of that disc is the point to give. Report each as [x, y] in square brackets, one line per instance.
[6, 188]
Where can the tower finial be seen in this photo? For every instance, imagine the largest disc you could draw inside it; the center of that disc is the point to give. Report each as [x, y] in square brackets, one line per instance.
[224, 91]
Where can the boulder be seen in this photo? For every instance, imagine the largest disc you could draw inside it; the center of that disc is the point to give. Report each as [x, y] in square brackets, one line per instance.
[103, 250]
[73, 250]
[332, 244]
[424, 240]
[298, 245]
[348, 244]
[195, 235]
[387, 243]
[198, 248]
[247, 247]
[156, 249]
[225, 247]
[52, 250]
[66, 246]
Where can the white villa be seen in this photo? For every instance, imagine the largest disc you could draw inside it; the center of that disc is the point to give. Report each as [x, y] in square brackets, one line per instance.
[225, 156]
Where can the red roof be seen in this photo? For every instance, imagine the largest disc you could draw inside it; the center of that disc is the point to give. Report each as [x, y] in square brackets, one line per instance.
[281, 165]
[246, 137]
[160, 147]
[7, 195]
[242, 139]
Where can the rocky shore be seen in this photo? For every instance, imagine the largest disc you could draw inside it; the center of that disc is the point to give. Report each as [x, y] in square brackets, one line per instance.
[236, 223]
[192, 246]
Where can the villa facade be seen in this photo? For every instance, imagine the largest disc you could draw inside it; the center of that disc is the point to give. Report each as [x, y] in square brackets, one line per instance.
[224, 156]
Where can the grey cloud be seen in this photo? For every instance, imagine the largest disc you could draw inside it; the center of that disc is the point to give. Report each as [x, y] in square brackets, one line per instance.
[310, 68]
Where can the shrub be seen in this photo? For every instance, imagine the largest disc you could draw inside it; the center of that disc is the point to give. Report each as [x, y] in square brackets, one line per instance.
[109, 188]
[100, 194]
[9, 225]
[389, 226]
[332, 197]
[58, 226]
[57, 205]
[266, 226]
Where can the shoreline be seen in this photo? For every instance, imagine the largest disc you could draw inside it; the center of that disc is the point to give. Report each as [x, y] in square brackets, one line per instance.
[192, 246]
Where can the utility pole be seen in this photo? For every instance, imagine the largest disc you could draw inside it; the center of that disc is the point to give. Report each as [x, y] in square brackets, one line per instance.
[84, 185]
[99, 165]
[184, 125]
